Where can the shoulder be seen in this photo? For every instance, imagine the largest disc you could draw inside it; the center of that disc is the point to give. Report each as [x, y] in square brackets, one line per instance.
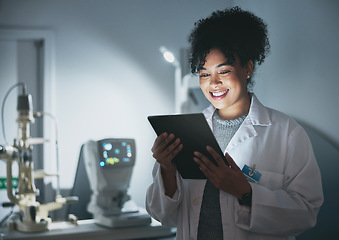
[280, 118]
[276, 123]
[266, 116]
[288, 128]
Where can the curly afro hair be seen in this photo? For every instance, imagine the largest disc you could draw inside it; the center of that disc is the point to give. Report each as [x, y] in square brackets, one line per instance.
[233, 31]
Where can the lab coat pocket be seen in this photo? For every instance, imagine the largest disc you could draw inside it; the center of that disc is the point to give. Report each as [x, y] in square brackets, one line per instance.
[271, 180]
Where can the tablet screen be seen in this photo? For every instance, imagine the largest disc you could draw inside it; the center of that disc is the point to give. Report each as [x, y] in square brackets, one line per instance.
[194, 133]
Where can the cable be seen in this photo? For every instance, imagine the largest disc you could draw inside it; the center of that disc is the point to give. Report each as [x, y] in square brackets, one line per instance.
[40, 114]
[4, 219]
[3, 106]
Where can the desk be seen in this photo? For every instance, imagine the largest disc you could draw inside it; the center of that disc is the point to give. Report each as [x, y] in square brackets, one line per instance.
[88, 230]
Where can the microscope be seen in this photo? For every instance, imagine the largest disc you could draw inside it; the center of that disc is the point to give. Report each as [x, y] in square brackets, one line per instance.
[109, 165]
[34, 216]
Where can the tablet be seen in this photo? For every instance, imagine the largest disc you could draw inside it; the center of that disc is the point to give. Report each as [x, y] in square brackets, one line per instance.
[194, 133]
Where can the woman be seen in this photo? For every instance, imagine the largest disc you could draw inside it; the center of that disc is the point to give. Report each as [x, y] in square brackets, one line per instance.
[278, 194]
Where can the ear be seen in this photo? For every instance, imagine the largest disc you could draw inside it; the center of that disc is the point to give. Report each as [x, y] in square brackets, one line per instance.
[249, 68]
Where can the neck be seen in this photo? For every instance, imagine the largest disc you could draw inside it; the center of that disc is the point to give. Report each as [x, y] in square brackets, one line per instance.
[237, 111]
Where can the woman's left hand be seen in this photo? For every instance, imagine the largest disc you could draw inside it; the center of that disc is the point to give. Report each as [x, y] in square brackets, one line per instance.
[229, 179]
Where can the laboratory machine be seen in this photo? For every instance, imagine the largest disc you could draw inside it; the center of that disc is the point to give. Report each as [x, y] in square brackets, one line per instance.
[109, 165]
[34, 216]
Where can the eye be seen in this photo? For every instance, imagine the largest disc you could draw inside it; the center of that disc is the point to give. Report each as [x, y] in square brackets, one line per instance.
[202, 75]
[224, 72]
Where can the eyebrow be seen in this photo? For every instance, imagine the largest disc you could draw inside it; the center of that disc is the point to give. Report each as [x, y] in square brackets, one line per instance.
[220, 65]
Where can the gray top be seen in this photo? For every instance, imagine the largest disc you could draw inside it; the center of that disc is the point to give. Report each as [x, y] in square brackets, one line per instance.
[224, 130]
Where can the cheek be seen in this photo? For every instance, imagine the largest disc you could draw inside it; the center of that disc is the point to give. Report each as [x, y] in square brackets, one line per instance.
[203, 86]
[206, 94]
[236, 81]
[201, 82]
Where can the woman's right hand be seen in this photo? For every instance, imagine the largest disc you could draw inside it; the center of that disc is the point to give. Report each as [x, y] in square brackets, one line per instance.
[164, 152]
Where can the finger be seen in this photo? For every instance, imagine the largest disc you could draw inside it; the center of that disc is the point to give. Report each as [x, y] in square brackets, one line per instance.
[202, 166]
[220, 161]
[231, 162]
[173, 149]
[163, 142]
[165, 157]
[158, 140]
[205, 161]
[169, 151]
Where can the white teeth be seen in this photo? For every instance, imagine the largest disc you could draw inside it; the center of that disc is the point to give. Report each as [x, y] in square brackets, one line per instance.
[217, 94]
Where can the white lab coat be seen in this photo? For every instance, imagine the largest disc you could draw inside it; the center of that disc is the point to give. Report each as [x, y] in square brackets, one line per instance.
[285, 201]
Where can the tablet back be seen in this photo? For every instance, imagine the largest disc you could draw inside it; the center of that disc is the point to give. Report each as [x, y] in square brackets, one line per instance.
[194, 133]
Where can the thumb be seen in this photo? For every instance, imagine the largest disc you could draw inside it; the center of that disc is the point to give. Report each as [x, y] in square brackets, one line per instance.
[231, 162]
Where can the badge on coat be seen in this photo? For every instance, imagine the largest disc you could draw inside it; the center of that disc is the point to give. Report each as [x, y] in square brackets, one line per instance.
[251, 174]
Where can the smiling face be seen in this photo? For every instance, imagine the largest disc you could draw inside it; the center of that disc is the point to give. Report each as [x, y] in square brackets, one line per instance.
[225, 85]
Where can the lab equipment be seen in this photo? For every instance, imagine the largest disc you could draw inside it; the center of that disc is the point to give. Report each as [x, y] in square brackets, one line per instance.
[34, 216]
[109, 165]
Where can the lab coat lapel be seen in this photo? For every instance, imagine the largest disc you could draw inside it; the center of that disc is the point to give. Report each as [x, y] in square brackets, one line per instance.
[258, 115]
[245, 132]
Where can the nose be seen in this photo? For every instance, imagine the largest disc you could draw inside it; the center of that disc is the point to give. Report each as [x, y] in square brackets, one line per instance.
[215, 80]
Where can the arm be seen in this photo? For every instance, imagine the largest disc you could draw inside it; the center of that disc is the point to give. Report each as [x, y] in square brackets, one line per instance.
[288, 208]
[162, 199]
[170, 183]
[292, 208]
[164, 153]
[160, 206]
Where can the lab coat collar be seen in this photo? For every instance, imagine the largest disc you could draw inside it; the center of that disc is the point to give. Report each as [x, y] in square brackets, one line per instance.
[258, 113]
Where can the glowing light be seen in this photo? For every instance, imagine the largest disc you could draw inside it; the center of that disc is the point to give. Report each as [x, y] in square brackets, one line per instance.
[107, 146]
[110, 161]
[169, 56]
